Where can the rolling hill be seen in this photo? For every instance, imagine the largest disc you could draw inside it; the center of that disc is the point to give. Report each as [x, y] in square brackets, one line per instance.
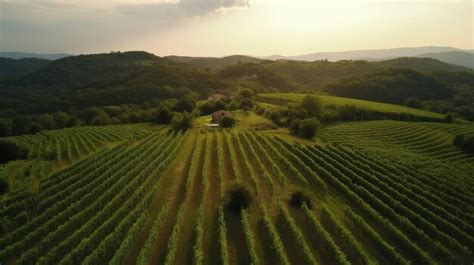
[214, 62]
[463, 58]
[75, 83]
[283, 98]
[12, 68]
[378, 54]
[424, 64]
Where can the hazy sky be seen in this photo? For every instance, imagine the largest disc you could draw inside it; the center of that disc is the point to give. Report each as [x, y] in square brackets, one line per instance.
[224, 27]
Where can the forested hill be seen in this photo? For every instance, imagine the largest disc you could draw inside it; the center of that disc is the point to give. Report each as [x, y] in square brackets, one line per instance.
[141, 78]
[11, 68]
[391, 86]
[421, 64]
[293, 75]
[214, 62]
[88, 70]
[103, 79]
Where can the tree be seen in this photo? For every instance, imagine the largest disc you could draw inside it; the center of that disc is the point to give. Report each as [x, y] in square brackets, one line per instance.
[238, 197]
[220, 105]
[46, 121]
[245, 93]
[34, 128]
[20, 125]
[164, 115]
[298, 198]
[102, 118]
[312, 105]
[5, 127]
[227, 122]
[449, 118]
[11, 151]
[206, 108]
[61, 119]
[4, 186]
[275, 117]
[245, 103]
[295, 126]
[233, 106]
[185, 104]
[73, 122]
[182, 122]
[413, 103]
[306, 128]
[134, 117]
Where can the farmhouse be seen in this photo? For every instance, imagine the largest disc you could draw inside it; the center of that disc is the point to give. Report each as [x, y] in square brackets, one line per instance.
[217, 97]
[218, 115]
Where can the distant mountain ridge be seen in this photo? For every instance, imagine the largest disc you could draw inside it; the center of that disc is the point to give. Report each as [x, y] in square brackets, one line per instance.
[444, 54]
[21, 55]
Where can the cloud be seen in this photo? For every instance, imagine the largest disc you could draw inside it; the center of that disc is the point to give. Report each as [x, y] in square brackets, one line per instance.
[181, 9]
[92, 25]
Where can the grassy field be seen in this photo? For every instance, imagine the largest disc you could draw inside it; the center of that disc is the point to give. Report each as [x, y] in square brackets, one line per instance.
[383, 192]
[283, 98]
[243, 119]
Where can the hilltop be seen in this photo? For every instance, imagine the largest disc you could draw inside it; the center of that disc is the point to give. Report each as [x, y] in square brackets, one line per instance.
[463, 58]
[215, 62]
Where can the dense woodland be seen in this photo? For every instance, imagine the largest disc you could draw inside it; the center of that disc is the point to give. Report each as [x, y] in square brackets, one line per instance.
[132, 86]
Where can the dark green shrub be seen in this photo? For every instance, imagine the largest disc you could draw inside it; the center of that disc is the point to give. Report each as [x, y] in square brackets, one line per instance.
[306, 128]
[185, 104]
[245, 93]
[3, 185]
[34, 128]
[297, 199]
[227, 122]
[312, 105]
[275, 117]
[5, 127]
[11, 151]
[245, 103]
[164, 116]
[182, 122]
[413, 103]
[238, 197]
[464, 142]
[449, 118]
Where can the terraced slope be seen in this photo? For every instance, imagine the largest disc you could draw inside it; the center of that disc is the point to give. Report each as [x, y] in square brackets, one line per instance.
[50, 151]
[92, 211]
[424, 147]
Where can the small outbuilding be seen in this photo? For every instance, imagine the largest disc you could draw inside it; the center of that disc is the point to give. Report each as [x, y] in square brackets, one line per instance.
[218, 115]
